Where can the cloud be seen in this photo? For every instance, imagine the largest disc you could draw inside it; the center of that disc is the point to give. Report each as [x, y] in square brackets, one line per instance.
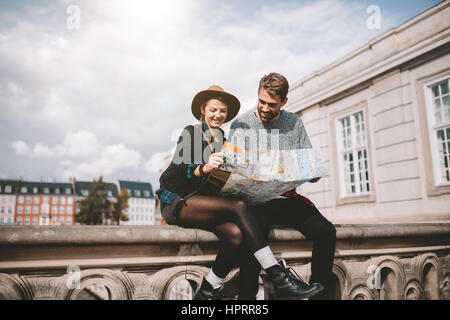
[158, 162]
[129, 73]
[81, 144]
[21, 148]
[82, 155]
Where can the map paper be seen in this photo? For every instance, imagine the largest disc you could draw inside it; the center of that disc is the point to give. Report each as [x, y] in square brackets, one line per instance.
[274, 173]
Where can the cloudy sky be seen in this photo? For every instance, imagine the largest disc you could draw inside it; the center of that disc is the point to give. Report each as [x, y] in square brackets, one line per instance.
[101, 88]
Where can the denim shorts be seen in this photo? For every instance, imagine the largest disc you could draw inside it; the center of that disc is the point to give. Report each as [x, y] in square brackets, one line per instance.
[170, 211]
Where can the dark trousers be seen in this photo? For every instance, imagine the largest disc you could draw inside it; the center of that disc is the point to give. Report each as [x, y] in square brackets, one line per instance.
[301, 214]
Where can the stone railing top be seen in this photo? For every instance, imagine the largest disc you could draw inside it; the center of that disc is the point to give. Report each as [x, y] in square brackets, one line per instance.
[110, 235]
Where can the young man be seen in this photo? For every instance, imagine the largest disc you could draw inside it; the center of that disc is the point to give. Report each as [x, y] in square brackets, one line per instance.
[290, 210]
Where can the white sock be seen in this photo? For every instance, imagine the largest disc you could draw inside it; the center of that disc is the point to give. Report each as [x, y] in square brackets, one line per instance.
[265, 257]
[214, 280]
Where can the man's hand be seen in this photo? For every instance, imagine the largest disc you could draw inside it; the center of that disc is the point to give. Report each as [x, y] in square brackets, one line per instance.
[314, 180]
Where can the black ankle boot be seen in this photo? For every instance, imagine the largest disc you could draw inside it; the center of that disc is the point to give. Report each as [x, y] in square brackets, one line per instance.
[206, 292]
[287, 286]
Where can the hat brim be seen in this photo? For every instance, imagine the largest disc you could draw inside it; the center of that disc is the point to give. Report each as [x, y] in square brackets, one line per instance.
[232, 102]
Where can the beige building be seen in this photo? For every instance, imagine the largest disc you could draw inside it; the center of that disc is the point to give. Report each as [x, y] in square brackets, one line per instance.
[381, 118]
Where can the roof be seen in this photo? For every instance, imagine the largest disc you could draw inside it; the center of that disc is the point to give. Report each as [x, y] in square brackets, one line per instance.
[137, 189]
[12, 183]
[82, 186]
[38, 188]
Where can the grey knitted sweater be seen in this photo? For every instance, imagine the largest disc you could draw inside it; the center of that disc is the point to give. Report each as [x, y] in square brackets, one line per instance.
[250, 133]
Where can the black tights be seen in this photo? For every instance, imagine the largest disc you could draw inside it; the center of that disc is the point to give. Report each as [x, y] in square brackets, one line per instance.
[230, 221]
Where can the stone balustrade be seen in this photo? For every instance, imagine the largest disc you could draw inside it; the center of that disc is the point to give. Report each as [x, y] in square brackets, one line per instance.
[378, 261]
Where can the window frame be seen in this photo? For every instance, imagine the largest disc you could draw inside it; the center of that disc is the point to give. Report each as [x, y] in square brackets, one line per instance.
[433, 128]
[334, 117]
[343, 187]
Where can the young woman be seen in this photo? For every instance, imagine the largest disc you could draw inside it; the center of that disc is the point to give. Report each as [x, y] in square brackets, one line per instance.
[187, 203]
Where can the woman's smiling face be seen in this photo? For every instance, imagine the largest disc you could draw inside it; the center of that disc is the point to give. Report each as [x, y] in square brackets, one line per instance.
[214, 113]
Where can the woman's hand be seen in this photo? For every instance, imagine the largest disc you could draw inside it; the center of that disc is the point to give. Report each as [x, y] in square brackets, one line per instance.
[214, 162]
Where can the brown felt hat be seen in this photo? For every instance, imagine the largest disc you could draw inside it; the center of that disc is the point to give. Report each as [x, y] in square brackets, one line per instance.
[213, 92]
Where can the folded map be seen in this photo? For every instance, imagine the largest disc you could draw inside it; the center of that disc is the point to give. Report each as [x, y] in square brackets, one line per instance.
[270, 173]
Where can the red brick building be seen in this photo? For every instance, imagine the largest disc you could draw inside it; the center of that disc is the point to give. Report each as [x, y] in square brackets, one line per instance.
[44, 203]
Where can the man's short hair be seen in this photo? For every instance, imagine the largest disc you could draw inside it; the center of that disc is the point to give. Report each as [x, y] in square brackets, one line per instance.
[275, 84]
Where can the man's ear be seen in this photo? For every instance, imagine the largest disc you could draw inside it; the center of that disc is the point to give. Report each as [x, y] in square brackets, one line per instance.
[284, 102]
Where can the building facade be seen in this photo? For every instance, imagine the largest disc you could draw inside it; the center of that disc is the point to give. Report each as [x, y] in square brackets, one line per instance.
[381, 118]
[7, 201]
[44, 203]
[141, 204]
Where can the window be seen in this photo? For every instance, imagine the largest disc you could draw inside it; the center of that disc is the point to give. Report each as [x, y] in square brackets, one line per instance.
[46, 190]
[19, 209]
[69, 210]
[146, 193]
[35, 190]
[61, 220]
[36, 200]
[69, 200]
[68, 191]
[28, 199]
[27, 221]
[35, 221]
[137, 193]
[8, 189]
[2, 209]
[35, 209]
[27, 209]
[23, 189]
[63, 200]
[55, 200]
[54, 210]
[84, 192]
[69, 220]
[20, 199]
[45, 209]
[57, 191]
[109, 194]
[438, 109]
[354, 176]
[19, 220]
[45, 200]
[61, 210]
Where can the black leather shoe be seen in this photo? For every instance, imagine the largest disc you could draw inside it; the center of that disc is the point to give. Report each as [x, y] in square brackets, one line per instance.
[206, 292]
[287, 286]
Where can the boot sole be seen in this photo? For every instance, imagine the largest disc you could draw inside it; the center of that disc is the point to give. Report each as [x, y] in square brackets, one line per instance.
[312, 293]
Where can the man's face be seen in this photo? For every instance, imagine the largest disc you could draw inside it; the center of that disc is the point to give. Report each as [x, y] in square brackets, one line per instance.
[269, 106]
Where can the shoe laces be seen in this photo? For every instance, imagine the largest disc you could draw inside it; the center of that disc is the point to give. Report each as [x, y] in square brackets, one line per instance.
[292, 276]
[295, 278]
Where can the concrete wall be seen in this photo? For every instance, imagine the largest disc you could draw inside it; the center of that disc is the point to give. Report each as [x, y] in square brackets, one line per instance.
[394, 261]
